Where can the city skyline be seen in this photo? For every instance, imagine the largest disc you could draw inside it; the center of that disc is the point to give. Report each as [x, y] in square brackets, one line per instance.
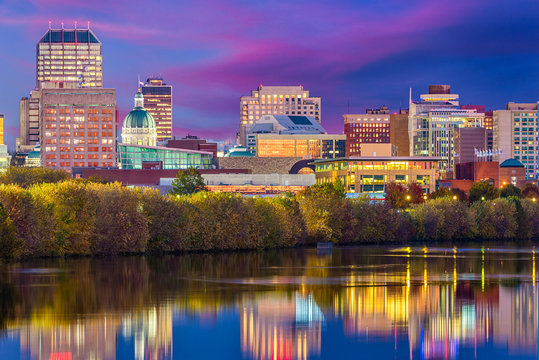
[363, 55]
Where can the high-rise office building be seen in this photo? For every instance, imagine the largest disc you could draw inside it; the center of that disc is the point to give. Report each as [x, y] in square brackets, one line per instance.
[28, 122]
[515, 135]
[69, 56]
[158, 102]
[398, 132]
[78, 128]
[276, 100]
[432, 121]
[372, 127]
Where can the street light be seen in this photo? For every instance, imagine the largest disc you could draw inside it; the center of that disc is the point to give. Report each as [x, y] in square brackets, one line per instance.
[454, 197]
[533, 199]
[407, 197]
[483, 198]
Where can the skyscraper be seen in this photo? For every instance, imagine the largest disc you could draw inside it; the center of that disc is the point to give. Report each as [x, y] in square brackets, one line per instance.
[158, 102]
[276, 100]
[515, 134]
[432, 121]
[69, 56]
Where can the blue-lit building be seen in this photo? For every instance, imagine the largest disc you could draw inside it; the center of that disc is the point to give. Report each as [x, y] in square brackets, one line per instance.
[156, 157]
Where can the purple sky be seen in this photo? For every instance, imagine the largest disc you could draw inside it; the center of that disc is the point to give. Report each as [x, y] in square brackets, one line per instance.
[366, 53]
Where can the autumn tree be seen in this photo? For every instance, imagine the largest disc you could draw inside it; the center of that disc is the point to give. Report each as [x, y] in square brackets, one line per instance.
[483, 191]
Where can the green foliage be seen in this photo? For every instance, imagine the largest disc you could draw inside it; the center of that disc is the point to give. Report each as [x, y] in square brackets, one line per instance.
[530, 190]
[495, 219]
[396, 195]
[510, 190]
[325, 211]
[88, 218]
[483, 191]
[25, 177]
[187, 182]
[455, 194]
[441, 219]
[10, 244]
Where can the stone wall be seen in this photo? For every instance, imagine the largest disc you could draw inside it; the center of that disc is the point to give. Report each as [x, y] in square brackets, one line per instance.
[259, 165]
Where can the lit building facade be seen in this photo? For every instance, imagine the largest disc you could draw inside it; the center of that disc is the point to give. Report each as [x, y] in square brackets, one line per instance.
[78, 128]
[369, 175]
[276, 100]
[373, 127]
[515, 132]
[134, 156]
[432, 121]
[313, 146]
[158, 102]
[69, 56]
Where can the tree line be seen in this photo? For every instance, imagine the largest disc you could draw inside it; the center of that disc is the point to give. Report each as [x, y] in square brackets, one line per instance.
[50, 215]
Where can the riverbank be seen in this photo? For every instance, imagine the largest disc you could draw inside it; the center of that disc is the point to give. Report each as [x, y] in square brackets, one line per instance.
[85, 218]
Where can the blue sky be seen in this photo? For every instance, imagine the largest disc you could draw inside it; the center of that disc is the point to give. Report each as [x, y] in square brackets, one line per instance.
[366, 53]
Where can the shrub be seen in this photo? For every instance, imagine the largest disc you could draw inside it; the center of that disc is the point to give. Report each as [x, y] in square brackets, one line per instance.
[483, 191]
[325, 212]
[510, 190]
[441, 219]
[25, 176]
[495, 219]
[530, 190]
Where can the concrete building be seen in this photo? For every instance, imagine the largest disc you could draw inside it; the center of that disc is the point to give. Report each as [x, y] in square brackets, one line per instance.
[192, 143]
[69, 56]
[372, 127]
[374, 149]
[158, 102]
[467, 141]
[276, 100]
[78, 128]
[398, 132]
[28, 122]
[432, 121]
[515, 132]
[510, 171]
[370, 174]
[5, 158]
[139, 125]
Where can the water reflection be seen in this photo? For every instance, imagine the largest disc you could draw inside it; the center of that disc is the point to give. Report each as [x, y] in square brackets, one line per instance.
[295, 304]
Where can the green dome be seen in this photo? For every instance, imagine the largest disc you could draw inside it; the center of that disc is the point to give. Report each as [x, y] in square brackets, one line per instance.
[139, 118]
[34, 155]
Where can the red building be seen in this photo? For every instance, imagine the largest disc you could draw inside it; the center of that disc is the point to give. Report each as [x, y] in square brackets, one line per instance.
[192, 143]
[372, 127]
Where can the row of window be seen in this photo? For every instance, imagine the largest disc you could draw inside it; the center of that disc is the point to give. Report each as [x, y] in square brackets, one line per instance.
[79, 164]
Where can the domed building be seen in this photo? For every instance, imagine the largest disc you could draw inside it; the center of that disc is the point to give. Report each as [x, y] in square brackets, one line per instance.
[139, 125]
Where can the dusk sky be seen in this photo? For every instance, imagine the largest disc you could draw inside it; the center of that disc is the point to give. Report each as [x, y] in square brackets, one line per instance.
[368, 53]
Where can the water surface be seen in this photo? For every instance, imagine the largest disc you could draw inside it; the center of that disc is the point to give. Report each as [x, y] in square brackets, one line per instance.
[355, 302]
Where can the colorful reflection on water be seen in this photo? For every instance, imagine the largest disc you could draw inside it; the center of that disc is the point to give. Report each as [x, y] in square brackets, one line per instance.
[422, 303]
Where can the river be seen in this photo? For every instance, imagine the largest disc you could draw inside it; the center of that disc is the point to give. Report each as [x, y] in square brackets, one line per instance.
[348, 302]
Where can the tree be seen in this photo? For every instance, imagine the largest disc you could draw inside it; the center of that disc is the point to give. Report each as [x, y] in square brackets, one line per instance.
[510, 190]
[396, 195]
[440, 193]
[530, 190]
[25, 177]
[483, 191]
[415, 191]
[188, 182]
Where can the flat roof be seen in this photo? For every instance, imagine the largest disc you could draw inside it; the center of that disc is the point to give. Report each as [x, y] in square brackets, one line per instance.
[167, 148]
[380, 158]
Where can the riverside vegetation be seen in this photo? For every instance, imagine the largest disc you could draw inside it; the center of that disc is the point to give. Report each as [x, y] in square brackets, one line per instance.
[44, 214]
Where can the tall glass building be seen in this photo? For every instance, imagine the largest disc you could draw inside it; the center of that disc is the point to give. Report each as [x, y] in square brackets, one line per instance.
[156, 157]
[69, 56]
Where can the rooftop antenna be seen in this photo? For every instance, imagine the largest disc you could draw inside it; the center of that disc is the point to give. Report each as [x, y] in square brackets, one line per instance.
[50, 22]
[410, 100]
[75, 25]
[88, 25]
[62, 25]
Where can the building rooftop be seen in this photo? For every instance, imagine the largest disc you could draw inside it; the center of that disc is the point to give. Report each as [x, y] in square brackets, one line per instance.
[511, 163]
[287, 124]
[380, 158]
[59, 36]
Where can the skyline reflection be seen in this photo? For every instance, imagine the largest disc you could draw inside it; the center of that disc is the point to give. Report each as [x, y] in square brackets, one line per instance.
[289, 304]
